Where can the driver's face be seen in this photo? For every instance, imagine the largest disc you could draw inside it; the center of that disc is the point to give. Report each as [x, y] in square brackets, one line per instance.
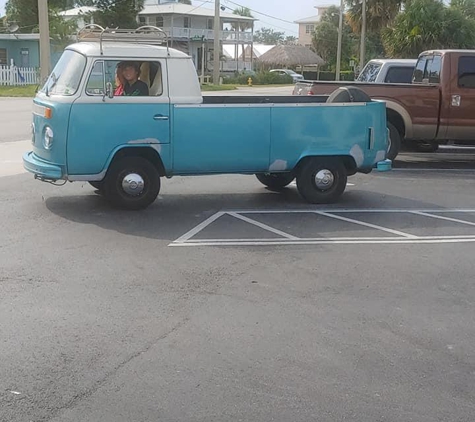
[130, 73]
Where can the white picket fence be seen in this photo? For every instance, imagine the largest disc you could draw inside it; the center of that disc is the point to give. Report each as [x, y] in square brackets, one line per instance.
[13, 75]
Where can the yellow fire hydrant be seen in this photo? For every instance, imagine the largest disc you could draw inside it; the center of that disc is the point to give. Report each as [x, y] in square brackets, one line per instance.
[249, 81]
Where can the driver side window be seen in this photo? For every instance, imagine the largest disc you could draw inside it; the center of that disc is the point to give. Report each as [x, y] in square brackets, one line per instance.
[128, 78]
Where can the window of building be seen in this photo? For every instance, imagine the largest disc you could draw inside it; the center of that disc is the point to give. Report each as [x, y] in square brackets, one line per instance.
[156, 21]
[187, 22]
[309, 29]
[142, 20]
[3, 56]
[466, 72]
[210, 24]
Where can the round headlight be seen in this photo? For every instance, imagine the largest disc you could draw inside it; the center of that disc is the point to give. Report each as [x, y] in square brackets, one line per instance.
[48, 141]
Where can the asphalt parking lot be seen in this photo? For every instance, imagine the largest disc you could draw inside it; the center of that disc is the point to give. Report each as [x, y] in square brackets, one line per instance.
[225, 301]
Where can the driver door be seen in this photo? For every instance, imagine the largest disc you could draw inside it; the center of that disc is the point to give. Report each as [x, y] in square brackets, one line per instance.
[99, 125]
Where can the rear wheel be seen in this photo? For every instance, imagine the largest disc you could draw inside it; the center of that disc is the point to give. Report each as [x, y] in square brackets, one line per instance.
[322, 180]
[394, 142]
[132, 183]
[426, 146]
[275, 181]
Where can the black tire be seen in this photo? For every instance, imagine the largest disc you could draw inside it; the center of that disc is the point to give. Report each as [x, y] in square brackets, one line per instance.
[307, 185]
[395, 139]
[97, 185]
[275, 181]
[426, 146]
[114, 183]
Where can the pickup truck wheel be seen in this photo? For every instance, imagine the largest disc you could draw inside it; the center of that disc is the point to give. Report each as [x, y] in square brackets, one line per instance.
[426, 146]
[132, 183]
[275, 181]
[394, 142]
[322, 180]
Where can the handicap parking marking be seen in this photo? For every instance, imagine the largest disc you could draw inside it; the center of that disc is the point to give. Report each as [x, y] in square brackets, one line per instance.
[280, 237]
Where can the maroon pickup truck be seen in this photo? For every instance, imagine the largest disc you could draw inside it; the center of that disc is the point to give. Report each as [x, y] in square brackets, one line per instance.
[438, 107]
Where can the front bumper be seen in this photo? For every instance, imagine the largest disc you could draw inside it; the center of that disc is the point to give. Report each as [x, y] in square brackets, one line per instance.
[42, 169]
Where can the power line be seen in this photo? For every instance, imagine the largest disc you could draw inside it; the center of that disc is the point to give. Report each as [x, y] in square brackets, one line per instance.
[271, 24]
[260, 13]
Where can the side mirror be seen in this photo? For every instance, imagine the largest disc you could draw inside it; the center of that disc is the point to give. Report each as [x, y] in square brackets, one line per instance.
[109, 90]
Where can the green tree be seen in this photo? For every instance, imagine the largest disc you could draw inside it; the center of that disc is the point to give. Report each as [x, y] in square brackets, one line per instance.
[325, 39]
[426, 25]
[379, 14]
[290, 40]
[467, 7]
[25, 14]
[117, 13]
[269, 36]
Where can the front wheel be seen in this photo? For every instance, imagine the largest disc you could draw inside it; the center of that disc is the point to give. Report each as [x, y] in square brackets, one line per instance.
[322, 180]
[275, 181]
[132, 183]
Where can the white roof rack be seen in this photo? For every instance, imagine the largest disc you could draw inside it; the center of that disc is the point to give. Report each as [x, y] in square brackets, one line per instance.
[143, 35]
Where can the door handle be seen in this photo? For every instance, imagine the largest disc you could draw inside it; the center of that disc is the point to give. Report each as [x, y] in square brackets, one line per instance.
[456, 100]
[160, 117]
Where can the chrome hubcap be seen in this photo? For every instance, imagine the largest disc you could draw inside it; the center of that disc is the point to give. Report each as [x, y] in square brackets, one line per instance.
[324, 179]
[133, 184]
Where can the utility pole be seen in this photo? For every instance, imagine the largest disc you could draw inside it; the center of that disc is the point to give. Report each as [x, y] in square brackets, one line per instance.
[217, 36]
[340, 35]
[45, 58]
[363, 35]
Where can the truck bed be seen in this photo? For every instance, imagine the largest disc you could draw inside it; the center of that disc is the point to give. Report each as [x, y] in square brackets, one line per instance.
[261, 99]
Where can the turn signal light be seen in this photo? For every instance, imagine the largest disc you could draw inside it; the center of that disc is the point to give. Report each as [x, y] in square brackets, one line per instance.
[48, 113]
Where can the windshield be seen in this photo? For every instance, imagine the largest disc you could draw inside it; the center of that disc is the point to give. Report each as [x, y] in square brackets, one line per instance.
[66, 75]
[369, 73]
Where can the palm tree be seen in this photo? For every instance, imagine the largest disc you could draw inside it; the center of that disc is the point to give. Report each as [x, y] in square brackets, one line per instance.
[379, 14]
[243, 26]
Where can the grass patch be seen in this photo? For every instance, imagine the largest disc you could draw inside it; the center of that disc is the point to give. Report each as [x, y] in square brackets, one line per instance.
[226, 87]
[18, 91]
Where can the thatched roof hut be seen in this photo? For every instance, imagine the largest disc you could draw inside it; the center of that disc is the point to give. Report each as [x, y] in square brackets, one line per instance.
[290, 55]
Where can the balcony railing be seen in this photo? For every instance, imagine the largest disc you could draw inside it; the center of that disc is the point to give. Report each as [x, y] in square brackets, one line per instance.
[207, 34]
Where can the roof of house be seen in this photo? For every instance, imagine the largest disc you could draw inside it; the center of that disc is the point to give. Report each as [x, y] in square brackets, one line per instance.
[311, 19]
[259, 49]
[20, 37]
[188, 10]
[291, 55]
[78, 11]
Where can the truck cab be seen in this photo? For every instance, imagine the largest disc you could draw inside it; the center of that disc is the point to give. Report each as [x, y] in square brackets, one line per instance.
[87, 127]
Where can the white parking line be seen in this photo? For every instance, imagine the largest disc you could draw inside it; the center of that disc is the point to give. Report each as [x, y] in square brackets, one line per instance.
[262, 226]
[288, 239]
[441, 217]
[363, 223]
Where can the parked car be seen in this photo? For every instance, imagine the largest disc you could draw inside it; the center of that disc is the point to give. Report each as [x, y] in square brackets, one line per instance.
[123, 145]
[392, 71]
[435, 108]
[295, 76]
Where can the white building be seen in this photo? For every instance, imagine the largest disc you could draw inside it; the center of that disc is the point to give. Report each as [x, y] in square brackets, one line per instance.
[191, 29]
[82, 15]
[307, 26]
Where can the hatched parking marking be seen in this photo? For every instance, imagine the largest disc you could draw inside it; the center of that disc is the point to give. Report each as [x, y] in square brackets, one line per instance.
[188, 239]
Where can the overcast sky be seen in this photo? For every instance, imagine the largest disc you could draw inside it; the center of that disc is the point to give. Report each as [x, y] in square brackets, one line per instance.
[288, 10]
